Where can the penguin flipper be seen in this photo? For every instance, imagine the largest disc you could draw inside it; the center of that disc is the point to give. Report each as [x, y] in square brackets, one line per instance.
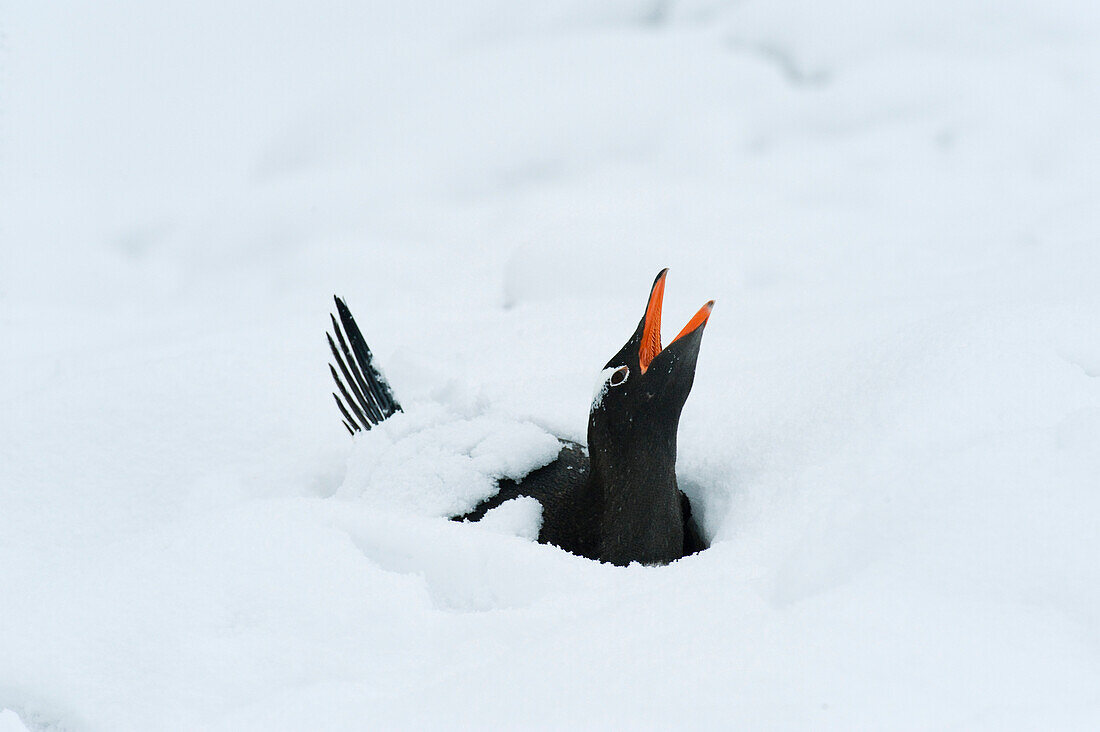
[367, 396]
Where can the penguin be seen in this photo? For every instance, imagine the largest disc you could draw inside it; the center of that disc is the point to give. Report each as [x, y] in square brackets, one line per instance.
[615, 500]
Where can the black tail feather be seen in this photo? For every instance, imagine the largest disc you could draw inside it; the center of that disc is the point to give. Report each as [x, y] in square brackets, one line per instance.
[368, 395]
[379, 387]
[343, 410]
[363, 405]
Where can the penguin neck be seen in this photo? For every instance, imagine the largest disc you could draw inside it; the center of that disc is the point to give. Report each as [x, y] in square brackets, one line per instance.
[641, 515]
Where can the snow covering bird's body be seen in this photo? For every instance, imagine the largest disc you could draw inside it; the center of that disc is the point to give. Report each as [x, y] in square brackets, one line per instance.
[617, 501]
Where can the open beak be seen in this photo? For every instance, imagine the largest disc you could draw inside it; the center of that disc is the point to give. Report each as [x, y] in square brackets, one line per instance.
[651, 330]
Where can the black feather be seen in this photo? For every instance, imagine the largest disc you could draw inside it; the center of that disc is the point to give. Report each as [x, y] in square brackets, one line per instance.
[368, 397]
[379, 387]
[344, 411]
[354, 379]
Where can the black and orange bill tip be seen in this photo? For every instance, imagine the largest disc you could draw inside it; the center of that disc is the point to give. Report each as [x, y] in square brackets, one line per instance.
[651, 347]
[697, 321]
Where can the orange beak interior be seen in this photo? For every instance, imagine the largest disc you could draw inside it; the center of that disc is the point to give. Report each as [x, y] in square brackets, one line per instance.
[651, 331]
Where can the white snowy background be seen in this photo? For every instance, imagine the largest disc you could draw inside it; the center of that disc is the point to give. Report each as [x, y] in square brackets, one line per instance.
[893, 439]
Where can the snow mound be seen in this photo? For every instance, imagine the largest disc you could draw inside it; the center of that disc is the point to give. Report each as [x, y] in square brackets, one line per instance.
[437, 460]
[10, 722]
[518, 517]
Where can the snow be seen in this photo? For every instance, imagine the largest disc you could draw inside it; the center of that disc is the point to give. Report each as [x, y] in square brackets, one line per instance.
[436, 462]
[9, 722]
[893, 438]
[520, 516]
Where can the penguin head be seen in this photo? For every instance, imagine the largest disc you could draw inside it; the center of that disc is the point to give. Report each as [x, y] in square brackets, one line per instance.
[642, 389]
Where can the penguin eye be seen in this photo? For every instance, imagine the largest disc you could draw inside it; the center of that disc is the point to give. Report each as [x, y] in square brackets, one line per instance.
[618, 376]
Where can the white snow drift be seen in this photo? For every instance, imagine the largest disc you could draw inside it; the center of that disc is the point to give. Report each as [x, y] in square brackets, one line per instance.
[893, 438]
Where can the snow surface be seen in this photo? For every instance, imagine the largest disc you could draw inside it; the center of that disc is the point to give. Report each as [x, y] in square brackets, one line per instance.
[10, 722]
[520, 516]
[893, 438]
[435, 461]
